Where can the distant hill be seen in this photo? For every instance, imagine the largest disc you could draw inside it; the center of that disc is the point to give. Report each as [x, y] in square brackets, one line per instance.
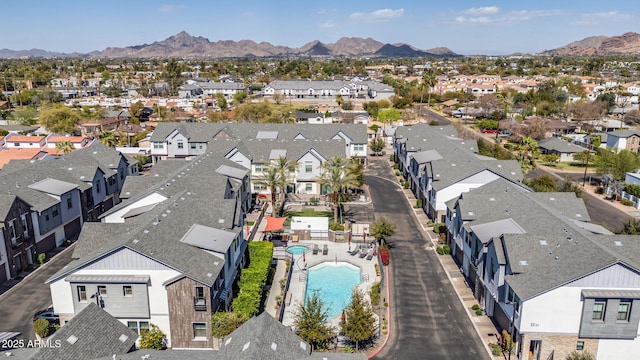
[184, 45]
[627, 43]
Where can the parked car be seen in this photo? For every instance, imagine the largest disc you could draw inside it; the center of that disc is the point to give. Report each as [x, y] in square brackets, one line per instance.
[47, 314]
[488, 131]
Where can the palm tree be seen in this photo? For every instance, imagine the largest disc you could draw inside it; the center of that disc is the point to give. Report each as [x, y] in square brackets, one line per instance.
[271, 178]
[337, 175]
[285, 168]
[339, 99]
[64, 146]
[428, 81]
[108, 138]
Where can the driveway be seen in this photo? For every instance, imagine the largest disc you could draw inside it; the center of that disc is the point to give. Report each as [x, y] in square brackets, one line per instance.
[30, 295]
[427, 319]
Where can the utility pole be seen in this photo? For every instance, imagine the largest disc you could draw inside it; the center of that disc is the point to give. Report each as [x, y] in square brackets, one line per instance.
[586, 165]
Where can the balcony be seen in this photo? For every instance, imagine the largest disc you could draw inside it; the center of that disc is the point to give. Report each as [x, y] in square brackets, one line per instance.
[199, 304]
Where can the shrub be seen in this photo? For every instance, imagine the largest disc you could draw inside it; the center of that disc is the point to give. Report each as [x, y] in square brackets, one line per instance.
[580, 355]
[397, 173]
[496, 350]
[599, 190]
[41, 327]
[478, 312]
[395, 166]
[440, 250]
[253, 279]
[475, 307]
[41, 258]
[405, 185]
[626, 202]
[375, 293]
[384, 256]
[419, 203]
[439, 228]
[153, 338]
[392, 158]
[446, 249]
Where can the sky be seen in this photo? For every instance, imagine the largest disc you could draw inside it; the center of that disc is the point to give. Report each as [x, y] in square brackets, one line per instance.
[499, 27]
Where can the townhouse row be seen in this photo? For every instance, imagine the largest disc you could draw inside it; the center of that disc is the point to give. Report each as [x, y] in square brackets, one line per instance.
[45, 203]
[171, 252]
[536, 264]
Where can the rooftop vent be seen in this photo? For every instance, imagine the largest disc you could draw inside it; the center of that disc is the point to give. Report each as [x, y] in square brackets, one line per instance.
[246, 346]
[123, 338]
[274, 346]
[303, 345]
[227, 341]
[617, 243]
[72, 339]
[552, 198]
[523, 263]
[543, 242]
[492, 199]
[135, 241]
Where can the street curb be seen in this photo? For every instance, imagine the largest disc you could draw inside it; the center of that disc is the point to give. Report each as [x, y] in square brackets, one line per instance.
[36, 270]
[384, 343]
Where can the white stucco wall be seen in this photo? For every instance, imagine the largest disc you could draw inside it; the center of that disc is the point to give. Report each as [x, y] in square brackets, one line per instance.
[561, 318]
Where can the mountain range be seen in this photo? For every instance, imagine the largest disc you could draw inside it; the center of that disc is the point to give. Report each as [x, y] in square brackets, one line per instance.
[184, 45]
[627, 43]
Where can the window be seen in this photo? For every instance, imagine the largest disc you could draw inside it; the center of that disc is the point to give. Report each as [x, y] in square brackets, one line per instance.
[199, 293]
[623, 310]
[54, 211]
[180, 145]
[598, 310]
[139, 327]
[193, 146]
[102, 290]
[259, 186]
[158, 145]
[98, 186]
[46, 214]
[69, 203]
[127, 291]
[308, 187]
[12, 229]
[260, 167]
[199, 330]
[358, 147]
[82, 293]
[25, 226]
[111, 180]
[580, 345]
[308, 168]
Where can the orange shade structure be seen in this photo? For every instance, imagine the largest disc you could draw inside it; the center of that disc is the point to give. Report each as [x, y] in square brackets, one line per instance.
[274, 223]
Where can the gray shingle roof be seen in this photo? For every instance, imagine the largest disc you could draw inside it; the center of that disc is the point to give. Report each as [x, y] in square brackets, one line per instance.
[92, 333]
[559, 145]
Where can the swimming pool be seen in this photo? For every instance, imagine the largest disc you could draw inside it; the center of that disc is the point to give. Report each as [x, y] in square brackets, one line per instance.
[297, 249]
[334, 284]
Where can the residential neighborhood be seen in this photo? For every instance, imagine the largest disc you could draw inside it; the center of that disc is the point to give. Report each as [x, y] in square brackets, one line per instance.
[178, 209]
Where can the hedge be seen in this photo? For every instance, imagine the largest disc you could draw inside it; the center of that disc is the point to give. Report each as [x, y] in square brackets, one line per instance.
[253, 279]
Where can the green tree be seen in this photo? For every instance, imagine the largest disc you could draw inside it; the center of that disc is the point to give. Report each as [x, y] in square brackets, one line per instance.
[359, 322]
[142, 160]
[59, 119]
[136, 109]
[64, 146]
[310, 322]
[356, 168]
[382, 229]
[347, 105]
[339, 100]
[580, 355]
[428, 82]
[153, 338]
[631, 227]
[172, 74]
[240, 97]
[26, 116]
[571, 186]
[271, 179]
[389, 115]
[377, 145]
[617, 164]
[543, 183]
[41, 327]
[221, 101]
[3, 132]
[335, 176]
[285, 170]
[108, 138]
[581, 157]
[224, 323]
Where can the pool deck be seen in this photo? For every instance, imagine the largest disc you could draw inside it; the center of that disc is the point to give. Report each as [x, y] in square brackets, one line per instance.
[338, 252]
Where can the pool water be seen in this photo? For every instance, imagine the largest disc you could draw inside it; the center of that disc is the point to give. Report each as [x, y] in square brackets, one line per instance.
[334, 284]
[297, 249]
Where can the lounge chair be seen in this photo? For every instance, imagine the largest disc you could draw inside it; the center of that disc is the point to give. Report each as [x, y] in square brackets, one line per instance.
[315, 249]
[362, 254]
[325, 249]
[355, 251]
[370, 255]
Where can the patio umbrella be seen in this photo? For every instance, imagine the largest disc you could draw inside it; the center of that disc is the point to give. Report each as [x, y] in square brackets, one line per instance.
[304, 257]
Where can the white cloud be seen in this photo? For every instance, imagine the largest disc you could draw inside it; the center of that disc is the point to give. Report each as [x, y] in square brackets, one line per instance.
[328, 24]
[381, 15]
[170, 8]
[492, 15]
[486, 10]
[599, 18]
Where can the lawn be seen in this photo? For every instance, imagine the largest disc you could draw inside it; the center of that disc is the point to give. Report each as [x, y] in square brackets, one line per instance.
[308, 212]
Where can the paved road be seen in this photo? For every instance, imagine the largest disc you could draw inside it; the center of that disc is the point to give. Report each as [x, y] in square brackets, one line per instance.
[599, 211]
[18, 305]
[427, 318]
[429, 116]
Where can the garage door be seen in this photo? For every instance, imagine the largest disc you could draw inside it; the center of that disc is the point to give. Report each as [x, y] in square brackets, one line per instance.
[46, 244]
[72, 229]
